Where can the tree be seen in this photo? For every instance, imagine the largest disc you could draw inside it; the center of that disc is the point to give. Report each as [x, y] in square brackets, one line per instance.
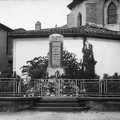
[37, 67]
[74, 68]
[89, 62]
[113, 83]
[9, 73]
[113, 77]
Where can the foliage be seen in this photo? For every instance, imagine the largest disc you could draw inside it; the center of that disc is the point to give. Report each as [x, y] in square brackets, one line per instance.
[113, 83]
[36, 68]
[8, 73]
[6, 84]
[72, 65]
[74, 68]
[89, 62]
[115, 76]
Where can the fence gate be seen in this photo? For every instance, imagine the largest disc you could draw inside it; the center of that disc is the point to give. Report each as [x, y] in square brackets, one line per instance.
[59, 88]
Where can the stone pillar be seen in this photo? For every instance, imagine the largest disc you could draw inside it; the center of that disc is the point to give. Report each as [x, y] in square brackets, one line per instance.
[55, 55]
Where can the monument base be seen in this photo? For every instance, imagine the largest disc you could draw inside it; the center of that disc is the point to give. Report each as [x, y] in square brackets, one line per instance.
[52, 71]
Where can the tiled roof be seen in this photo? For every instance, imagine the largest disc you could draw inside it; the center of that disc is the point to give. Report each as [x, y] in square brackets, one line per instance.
[87, 30]
[19, 29]
[5, 27]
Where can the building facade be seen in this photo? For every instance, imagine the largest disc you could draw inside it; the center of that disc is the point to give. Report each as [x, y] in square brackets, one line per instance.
[106, 46]
[97, 21]
[104, 13]
[5, 48]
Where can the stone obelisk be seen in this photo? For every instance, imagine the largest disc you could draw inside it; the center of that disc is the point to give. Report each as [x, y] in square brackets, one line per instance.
[55, 55]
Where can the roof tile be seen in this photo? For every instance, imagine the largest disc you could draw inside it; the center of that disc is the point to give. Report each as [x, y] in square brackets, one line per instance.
[87, 30]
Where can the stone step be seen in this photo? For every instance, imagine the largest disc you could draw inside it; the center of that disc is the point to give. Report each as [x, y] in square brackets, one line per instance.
[64, 109]
[56, 104]
[59, 101]
[60, 104]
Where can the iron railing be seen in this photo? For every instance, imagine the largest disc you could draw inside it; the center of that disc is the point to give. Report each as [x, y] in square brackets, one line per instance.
[16, 87]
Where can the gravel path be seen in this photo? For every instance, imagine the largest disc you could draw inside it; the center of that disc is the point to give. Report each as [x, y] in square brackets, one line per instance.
[36, 115]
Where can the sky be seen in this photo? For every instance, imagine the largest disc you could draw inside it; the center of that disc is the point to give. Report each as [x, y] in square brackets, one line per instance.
[25, 13]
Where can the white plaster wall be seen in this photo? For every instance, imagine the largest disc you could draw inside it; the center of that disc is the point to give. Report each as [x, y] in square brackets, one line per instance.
[70, 20]
[115, 27]
[72, 17]
[27, 49]
[107, 55]
[74, 45]
[106, 52]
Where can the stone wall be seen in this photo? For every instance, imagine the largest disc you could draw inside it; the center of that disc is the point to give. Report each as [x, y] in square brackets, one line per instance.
[16, 104]
[94, 13]
[103, 105]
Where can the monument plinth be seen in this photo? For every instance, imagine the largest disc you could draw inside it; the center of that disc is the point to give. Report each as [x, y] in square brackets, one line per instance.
[55, 55]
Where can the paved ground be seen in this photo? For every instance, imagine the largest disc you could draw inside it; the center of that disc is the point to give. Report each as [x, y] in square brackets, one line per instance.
[36, 115]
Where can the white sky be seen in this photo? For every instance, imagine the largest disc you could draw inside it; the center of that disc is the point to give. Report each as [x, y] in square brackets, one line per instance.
[25, 13]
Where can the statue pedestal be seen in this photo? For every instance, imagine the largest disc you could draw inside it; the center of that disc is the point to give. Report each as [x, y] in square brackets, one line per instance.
[52, 71]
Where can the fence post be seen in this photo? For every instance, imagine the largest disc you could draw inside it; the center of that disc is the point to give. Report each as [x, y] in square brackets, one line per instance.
[101, 86]
[59, 94]
[106, 86]
[19, 87]
[75, 87]
[83, 85]
[13, 87]
[80, 84]
[40, 81]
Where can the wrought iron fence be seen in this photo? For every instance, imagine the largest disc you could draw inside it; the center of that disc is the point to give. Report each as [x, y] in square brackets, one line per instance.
[15, 87]
[112, 87]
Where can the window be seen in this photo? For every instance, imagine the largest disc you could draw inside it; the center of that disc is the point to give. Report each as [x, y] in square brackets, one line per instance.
[79, 20]
[112, 13]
